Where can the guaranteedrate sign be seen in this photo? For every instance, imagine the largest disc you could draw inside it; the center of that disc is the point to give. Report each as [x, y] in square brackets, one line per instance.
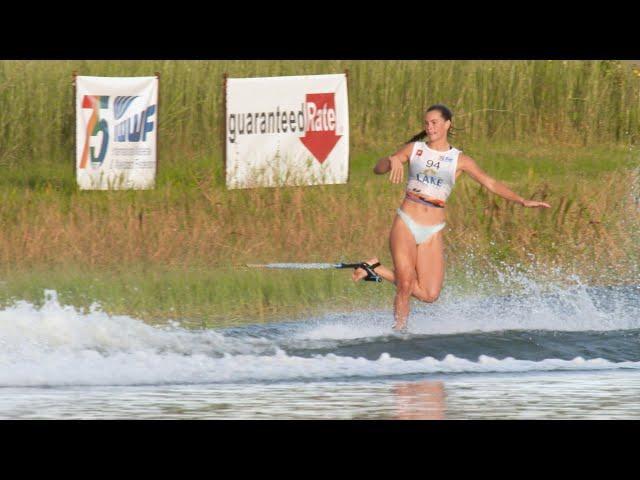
[287, 131]
[116, 129]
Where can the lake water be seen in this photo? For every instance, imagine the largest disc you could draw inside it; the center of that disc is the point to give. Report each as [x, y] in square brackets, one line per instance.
[572, 353]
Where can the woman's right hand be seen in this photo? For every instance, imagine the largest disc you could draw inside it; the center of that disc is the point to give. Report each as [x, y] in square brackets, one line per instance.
[397, 170]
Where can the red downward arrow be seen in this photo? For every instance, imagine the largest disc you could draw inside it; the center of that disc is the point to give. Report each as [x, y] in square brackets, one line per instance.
[320, 144]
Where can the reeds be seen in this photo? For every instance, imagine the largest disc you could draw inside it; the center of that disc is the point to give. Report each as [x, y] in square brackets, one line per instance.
[574, 102]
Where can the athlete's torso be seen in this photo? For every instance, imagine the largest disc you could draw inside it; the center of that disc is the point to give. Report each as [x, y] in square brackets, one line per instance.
[432, 174]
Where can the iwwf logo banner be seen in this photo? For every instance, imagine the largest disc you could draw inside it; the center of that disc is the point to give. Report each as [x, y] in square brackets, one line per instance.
[287, 131]
[116, 132]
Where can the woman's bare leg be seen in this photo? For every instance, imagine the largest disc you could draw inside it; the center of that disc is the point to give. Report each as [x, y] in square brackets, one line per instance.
[430, 269]
[419, 269]
[405, 254]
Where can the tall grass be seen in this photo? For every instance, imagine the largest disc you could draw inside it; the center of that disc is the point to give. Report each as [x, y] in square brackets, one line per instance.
[576, 102]
[192, 221]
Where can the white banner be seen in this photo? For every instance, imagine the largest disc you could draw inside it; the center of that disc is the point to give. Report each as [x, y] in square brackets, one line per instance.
[116, 132]
[287, 131]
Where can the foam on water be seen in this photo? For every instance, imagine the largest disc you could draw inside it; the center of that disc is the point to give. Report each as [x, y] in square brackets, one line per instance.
[57, 345]
[87, 367]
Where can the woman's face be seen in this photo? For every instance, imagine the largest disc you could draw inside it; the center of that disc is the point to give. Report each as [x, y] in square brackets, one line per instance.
[436, 126]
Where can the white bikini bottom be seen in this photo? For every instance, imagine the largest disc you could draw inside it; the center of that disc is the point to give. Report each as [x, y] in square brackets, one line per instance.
[421, 233]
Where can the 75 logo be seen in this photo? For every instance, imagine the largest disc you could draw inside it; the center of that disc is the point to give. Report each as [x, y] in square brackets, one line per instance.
[94, 127]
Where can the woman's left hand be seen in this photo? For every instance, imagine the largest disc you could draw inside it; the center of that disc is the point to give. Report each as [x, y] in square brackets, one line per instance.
[534, 204]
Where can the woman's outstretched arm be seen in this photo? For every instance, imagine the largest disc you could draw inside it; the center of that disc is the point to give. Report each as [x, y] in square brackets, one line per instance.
[394, 163]
[468, 165]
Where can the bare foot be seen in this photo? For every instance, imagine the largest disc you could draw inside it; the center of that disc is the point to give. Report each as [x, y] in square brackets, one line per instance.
[400, 326]
[360, 273]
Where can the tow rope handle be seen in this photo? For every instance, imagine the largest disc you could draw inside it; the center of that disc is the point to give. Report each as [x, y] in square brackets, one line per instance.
[371, 275]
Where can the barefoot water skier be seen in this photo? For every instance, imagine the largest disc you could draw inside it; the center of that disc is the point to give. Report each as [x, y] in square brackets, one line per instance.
[416, 238]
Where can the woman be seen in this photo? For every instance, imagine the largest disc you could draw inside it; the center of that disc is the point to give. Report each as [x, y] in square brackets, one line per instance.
[416, 240]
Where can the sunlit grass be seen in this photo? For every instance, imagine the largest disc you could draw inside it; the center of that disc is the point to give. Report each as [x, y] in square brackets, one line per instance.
[179, 251]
